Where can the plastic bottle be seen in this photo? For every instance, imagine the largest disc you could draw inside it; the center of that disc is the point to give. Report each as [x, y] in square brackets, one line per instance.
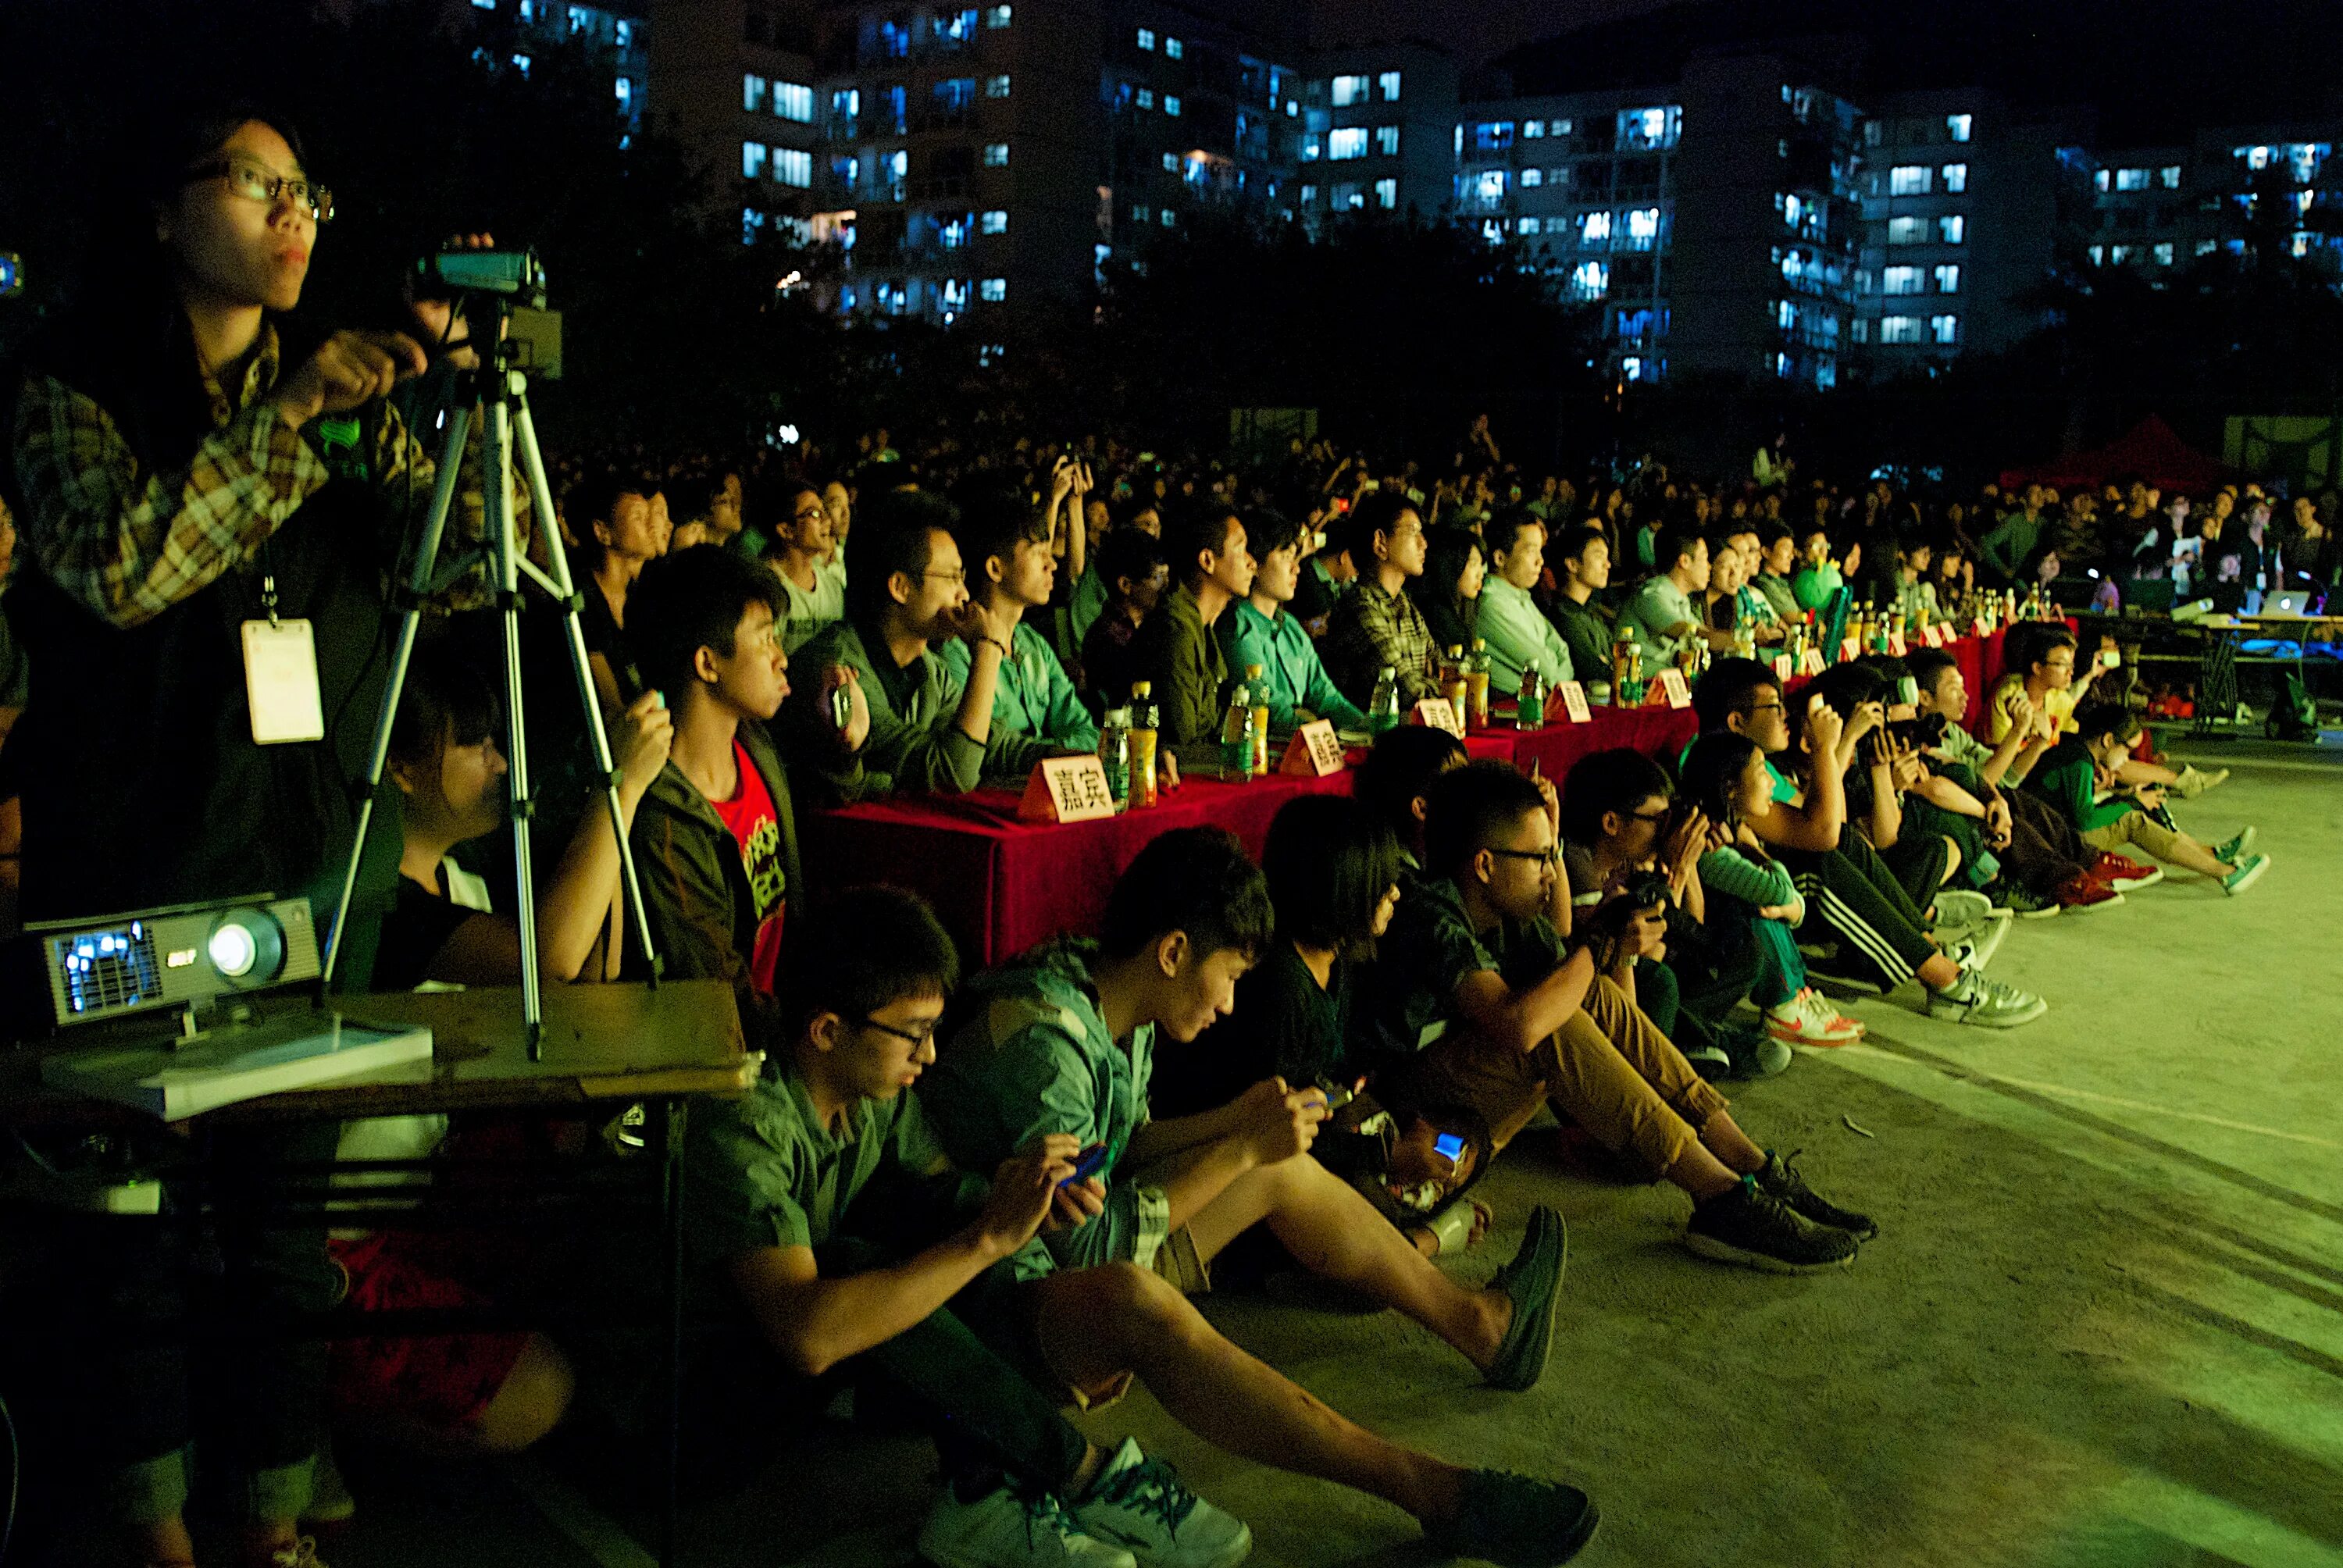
[1452, 678]
[1145, 720]
[1529, 706]
[1260, 689]
[1383, 707]
[1476, 685]
[1114, 755]
[1236, 737]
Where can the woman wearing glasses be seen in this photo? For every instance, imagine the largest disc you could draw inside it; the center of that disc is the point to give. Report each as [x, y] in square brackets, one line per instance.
[205, 542]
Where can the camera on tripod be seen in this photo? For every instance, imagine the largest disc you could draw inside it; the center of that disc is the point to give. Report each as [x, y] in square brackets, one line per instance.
[515, 274]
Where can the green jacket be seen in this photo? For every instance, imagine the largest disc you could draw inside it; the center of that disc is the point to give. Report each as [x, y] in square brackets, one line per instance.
[1032, 698]
[1035, 1058]
[1290, 666]
[1179, 653]
[914, 748]
[703, 917]
[2004, 549]
[2069, 780]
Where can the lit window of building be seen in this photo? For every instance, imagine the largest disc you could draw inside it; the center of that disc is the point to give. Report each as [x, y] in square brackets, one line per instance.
[1346, 141]
[1532, 179]
[1910, 179]
[1387, 195]
[1902, 280]
[1899, 329]
[1146, 98]
[2168, 177]
[1313, 146]
[1943, 329]
[1492, 135]
[1142, 213]
[2164, 253]
[1908, 231]
[1348, 90]
[1171, 106]
[1173, 48]
[1171, 163]
[1948, 279]
[996, 87]
[1952, 228]
[792, 167]
[1595, 228]
[995, 221]
[1644, 226]
[753, 88]
[1526, 225]
[1387, 141]
[2131, 179]
[792, 101]
[1590, 280]
[996, 155]
[1644, 130]
[993, 290]
[1147, 40]
[1956, 178]
[752, 160]
[1957, 127]
[1531, 130]
[1387, 84]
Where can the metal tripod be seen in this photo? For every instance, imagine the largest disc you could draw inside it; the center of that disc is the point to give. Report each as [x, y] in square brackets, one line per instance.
[503, 391]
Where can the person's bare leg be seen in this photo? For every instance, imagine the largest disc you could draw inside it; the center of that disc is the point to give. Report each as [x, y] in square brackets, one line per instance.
[1337, 1235]
[1732, 1147]
[1700, 1173]
[528, 1404]
[1938, 972]
[2187, 853]
[1095, 1323]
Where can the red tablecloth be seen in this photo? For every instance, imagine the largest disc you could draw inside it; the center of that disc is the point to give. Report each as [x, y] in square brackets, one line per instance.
[999, 885]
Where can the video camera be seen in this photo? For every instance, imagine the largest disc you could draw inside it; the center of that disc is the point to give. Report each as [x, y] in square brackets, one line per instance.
[518, 274]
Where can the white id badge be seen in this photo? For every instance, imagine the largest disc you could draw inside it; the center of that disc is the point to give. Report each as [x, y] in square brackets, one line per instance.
[280, 681]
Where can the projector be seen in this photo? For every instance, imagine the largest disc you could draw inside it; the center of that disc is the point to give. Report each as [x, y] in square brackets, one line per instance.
[181, 956]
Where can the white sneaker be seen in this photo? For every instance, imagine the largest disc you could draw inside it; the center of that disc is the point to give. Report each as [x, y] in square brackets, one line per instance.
[1987, 1003]
[1809, 1019]
[1141, 1505]
[1012, 1529]
[1958, 908]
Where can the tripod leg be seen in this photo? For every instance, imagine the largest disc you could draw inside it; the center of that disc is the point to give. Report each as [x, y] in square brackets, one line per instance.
[418, 582]
[597, 734]
[503, 542]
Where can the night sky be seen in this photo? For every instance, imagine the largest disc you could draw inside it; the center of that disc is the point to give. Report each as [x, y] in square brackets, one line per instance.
[1475, 29]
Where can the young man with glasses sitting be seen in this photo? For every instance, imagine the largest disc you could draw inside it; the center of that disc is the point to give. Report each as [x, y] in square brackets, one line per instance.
[811, 597]
[906, 591]
[1496, 1001]
[1005, 545]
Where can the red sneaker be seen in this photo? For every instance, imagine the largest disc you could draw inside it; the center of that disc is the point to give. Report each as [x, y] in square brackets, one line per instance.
[2085, 892]
[2122, 873]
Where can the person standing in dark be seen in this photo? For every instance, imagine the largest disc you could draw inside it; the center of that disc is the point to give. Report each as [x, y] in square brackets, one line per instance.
[197, 475]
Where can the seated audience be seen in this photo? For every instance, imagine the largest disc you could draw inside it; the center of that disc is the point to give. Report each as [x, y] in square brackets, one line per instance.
[1259, 628]
[907, 591]
[1062, 1040]
[1377, 626]
[1004, 544]
[1519, 638]
[811, 598]
[1510, 1005]
[1584, 567]
[1449, 590]
[1660, 614]
[2084, 778]
[831, 1221]
[1777, 554]
[625, 524]
[1176, 650]
[1132, 566]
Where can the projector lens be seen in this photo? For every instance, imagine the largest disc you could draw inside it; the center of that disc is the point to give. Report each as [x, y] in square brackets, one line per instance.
[234, 950]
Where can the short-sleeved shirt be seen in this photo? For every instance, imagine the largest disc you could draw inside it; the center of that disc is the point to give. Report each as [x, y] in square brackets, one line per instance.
[1658, 605]
[420, 922]
[1430, 949]
[1284, 1025]
[765, 1171]
[805, 611]
[755, 828]
[2060, 704]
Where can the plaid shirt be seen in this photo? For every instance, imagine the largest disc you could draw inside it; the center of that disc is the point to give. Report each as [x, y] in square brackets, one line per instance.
[1370, 630]
[129, 543]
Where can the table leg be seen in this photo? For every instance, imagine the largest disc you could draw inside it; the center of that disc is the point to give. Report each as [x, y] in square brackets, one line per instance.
[669, 1124]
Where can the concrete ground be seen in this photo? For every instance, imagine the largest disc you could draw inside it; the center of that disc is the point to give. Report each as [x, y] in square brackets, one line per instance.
[2103, 1324]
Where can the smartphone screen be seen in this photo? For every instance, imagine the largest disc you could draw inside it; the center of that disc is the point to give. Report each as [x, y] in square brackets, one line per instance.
[1450, 1146]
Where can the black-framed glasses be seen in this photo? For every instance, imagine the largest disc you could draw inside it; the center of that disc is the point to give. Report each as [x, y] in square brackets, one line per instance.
[959, 576]
[255, 182]
[1654, 818]
[1552, 857]
[918, 1037]
[1765, 707]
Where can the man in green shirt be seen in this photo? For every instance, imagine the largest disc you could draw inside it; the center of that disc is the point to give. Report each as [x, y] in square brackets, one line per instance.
[1818, 577]
[1261, 629]
[1582, 570]
[2081, 778]
[1777, 553]
[1065, 1042]
[843, 1235]
[1005, 545]
[929, 734]
[2005, 551]
[1211, 570]
[1519, 638]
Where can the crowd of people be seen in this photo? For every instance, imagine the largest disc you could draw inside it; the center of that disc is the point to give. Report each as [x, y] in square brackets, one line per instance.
[998, 1193]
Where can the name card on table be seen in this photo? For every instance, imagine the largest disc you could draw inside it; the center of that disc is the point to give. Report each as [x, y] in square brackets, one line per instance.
[1573, 701]
[1811, 661]
[1314, 751]
[1850, 649]
[1067, 789]
[1673, 686]
[1438, 713]
[1984, 627]
[1783, 668]
[1933, 634]
[1895, 643]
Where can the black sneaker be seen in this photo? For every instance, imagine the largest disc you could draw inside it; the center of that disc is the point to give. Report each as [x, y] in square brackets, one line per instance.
[1515, 1521]
[1781, 1178]
[1751, 1227]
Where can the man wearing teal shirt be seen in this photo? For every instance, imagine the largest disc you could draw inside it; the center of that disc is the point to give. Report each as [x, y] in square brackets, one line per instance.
[1519, 639]
[1259, 630]
[1005, 545]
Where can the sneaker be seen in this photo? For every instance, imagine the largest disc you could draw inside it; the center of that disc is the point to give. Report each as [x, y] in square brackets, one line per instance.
[2122, 873]
[1755, 1052]
[2194, 782]
[1533, 1282]
[1515, 1521]
[2236, 848]
[1976, 949]
[1142, 1506]
[2249, 871]
[1708, 1060]
[2027, 906]
[1809, 1019]
[2082, 892]
[1754, 1227]
[1781, 1178]
[1987, 1003]
[302, 1553]
[1012, 1528]
[1959, 910]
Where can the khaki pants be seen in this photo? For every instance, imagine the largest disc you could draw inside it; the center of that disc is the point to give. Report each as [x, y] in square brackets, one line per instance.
[2135, 828]
[1608, 1069]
